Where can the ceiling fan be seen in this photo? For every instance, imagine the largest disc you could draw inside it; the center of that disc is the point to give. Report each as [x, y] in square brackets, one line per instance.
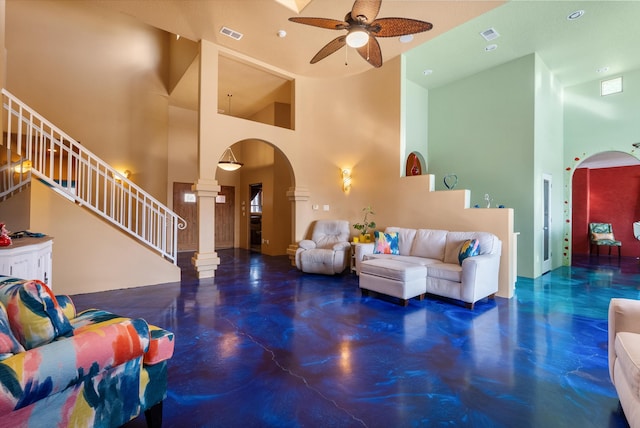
[362, 29]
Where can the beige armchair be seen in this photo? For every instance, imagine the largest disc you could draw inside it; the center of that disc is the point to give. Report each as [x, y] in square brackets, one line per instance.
[624, 355]
[328, 251]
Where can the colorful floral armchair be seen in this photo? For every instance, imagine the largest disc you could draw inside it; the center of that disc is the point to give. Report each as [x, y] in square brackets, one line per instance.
[92, 369]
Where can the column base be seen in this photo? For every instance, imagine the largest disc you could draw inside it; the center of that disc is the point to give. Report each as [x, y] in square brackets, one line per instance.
[206, 264]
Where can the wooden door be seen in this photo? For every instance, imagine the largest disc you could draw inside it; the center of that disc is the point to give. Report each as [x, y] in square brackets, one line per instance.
[184, 204]
[225, 217]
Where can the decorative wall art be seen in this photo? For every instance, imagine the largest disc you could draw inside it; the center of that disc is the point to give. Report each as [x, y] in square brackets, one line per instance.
[450, 181]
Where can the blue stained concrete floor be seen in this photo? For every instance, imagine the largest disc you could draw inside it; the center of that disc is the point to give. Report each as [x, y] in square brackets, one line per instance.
[264, 345]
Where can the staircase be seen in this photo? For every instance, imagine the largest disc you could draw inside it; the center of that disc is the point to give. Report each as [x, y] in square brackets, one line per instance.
[35, 148]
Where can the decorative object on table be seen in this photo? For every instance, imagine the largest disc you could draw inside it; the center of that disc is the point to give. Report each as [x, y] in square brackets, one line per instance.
[364, 227]
[450, 181]
[26, 234]
[487, 200]
[5, 240]
[413, 165]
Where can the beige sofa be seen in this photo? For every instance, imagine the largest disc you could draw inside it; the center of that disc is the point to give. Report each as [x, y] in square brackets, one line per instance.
[624, 355]
[436, 250]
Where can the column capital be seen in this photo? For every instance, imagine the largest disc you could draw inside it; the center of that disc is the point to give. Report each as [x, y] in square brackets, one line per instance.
[206, 188]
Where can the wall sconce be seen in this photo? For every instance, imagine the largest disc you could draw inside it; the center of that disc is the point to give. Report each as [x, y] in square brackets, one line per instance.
[346, 180]
[23, 167]
[228, 161]
[126, 174]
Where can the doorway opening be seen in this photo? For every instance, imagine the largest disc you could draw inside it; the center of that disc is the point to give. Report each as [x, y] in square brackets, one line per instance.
[604, 189]
[255, 217]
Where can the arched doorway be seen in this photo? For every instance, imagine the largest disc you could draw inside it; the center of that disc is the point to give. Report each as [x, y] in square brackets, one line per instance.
[266, 226]
[605, 188]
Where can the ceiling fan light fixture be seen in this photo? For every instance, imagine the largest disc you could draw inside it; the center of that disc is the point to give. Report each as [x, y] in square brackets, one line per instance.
[357, 38]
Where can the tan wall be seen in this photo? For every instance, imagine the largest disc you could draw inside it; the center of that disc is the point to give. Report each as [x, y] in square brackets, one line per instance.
[99, 76]
[352, 122]
[87, 255]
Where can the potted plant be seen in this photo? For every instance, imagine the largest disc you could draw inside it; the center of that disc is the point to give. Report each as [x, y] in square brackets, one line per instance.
[365, 225]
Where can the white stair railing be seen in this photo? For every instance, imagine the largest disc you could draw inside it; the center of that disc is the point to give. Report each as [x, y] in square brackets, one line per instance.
[37, 148]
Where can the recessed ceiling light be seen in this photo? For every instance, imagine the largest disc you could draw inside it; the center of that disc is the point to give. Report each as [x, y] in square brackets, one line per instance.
[602, 70]
[427, 72]
[282, 33]
[406, 38]
[490, 48]
[575, 15]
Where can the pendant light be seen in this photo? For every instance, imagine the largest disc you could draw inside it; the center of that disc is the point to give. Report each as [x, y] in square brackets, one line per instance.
[228, 161]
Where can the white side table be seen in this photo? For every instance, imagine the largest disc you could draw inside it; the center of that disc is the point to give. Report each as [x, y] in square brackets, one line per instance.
[28, 258]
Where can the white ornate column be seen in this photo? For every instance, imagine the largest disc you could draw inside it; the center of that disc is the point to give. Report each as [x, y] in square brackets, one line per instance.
[206, 188]
[206, 259]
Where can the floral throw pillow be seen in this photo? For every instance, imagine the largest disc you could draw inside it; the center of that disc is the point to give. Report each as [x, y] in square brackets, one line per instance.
[470, 248]
[386, 243]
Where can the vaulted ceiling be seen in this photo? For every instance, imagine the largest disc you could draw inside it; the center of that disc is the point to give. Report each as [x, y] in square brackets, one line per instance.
[259, 22]
[603, 42]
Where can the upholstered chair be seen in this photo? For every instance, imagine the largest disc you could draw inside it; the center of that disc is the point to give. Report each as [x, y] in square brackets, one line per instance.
[602, 234]
[328, 251]
[624, 355]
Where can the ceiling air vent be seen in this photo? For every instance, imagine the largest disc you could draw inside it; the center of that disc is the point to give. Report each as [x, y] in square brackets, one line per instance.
[490, 34]
[229, 32]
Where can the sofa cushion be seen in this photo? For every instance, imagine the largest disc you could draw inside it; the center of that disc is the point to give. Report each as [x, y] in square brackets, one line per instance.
[448, 271]
[470, 248]
[405, 259]
[34, 314]
[405, 238]
[386, 243]
[393, 269]
[429, 243]
[9, 345]
[627, 346]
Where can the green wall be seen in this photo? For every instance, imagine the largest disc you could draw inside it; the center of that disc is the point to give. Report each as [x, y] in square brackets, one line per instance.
[595, 124]
[548, 143]
[414, 135]
[482, 129]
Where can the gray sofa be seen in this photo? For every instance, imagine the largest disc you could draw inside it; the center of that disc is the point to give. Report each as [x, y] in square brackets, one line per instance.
[437, 251]
[624, 355]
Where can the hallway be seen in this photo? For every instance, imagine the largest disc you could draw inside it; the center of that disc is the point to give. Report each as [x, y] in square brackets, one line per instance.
[265, 345]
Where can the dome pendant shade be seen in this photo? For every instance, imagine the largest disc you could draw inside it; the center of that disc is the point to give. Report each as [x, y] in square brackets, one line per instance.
[228, 161]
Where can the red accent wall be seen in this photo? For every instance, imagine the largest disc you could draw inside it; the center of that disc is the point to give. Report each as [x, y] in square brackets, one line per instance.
[606, 195]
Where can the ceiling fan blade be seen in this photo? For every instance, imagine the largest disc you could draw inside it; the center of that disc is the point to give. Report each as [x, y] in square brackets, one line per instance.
[394, 27]
[330, 24]
[368, 9]
[329, 48]
[371, 52]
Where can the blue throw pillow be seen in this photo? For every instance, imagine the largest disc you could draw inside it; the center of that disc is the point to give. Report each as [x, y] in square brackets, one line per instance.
[386, 243]
[470, 248]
